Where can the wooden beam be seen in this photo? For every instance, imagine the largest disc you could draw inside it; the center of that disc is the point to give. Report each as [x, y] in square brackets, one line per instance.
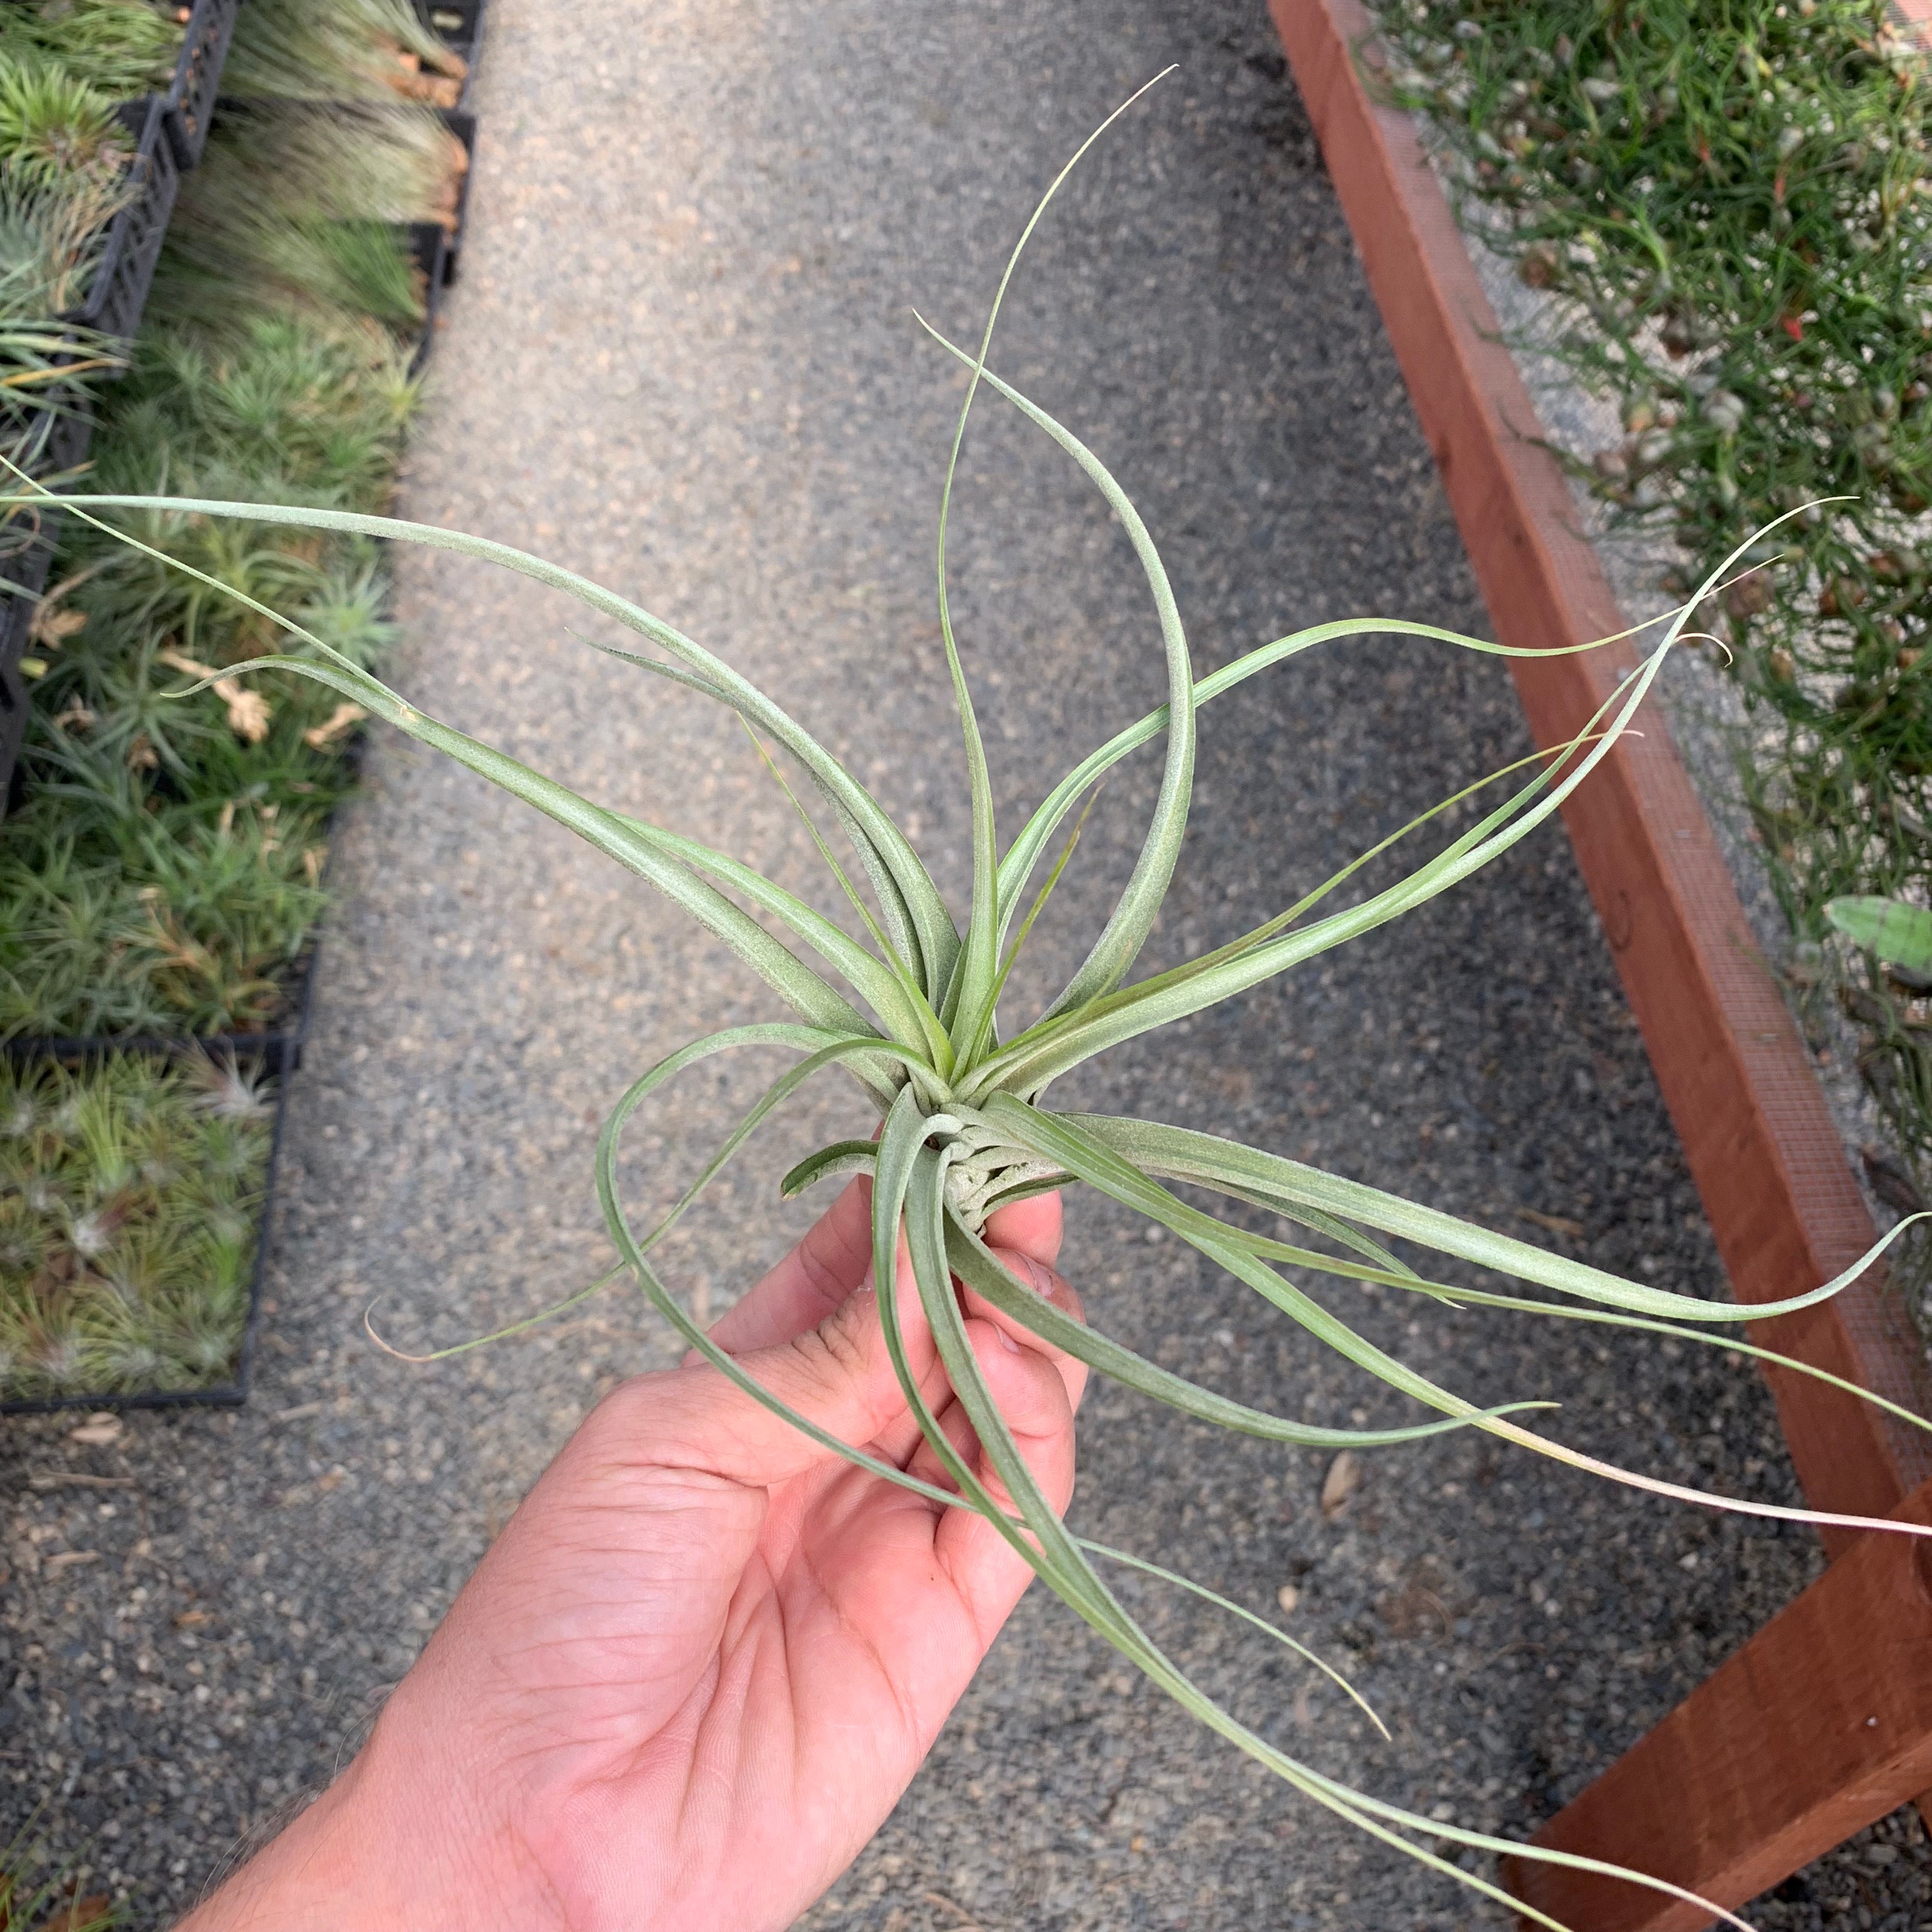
[1760, 1140]
[1820, 1725]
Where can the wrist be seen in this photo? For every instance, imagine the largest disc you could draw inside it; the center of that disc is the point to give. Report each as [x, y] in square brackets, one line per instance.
[392, 1844]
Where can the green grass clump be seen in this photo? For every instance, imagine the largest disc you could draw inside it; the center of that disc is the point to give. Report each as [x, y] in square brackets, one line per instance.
[128, 1197]
[1734, 205]
[904, 998]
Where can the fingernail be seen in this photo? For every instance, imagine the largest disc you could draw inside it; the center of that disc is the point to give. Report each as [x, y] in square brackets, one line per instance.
[1006, 1341]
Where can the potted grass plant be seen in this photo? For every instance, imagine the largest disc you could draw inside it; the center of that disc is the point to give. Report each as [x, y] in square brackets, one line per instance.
[965, 1122]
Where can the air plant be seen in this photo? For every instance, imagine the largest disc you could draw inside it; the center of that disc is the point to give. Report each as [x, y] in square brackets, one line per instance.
[128, 1191]
[349, 50]
[122, 47]
[300, 208]
[964, 1124]
[163, 870]
[346, 161]
[53, 125]
[63, 177]
[51, 232]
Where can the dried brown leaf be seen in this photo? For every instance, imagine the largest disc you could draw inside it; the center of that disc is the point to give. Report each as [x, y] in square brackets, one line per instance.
[1338, 1486]
[339, 720]
[1552, 1224]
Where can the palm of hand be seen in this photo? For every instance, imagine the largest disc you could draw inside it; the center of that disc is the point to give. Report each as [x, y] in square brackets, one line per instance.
[705, 1658]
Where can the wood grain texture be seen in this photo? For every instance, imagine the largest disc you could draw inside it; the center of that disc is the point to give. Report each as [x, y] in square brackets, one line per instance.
[1760, 1140]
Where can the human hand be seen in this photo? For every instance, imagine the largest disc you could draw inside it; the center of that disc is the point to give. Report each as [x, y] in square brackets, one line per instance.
[706, 1656]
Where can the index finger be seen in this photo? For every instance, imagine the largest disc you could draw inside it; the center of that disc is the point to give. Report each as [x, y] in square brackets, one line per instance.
[818, 1276]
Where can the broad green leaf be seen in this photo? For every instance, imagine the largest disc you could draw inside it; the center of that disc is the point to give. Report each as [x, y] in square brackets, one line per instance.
[1897, 932]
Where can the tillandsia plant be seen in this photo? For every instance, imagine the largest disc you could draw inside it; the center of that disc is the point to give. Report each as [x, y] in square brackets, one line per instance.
[51, 239]
[129, 1190]
[340, 50]
[124, 47]
[965, 1126]
[62, 180]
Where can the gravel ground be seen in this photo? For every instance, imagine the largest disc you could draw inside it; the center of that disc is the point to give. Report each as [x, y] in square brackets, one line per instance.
[681, 359]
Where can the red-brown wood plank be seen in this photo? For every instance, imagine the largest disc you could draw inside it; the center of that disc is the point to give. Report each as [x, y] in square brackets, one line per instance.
[1761, 1143]
[1821, 1723]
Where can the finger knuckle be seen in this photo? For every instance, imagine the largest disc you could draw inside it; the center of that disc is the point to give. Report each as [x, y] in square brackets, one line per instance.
[838, 1349]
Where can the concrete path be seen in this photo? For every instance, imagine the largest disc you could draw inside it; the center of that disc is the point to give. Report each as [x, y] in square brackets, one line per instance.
[682, 360]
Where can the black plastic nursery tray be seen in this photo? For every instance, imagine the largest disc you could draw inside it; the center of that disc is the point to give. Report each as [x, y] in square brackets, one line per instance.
[189, 103]
[432, 250]
[120, 286]
[278, 1047]
[462, 123]
[459, 22]
[437, 250]
[26, 555]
